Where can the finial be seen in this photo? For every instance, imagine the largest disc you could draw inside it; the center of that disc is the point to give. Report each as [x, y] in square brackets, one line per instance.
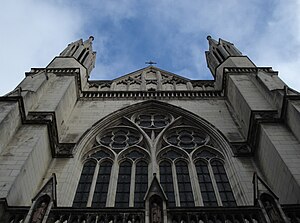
[208, 37]
[91, 38]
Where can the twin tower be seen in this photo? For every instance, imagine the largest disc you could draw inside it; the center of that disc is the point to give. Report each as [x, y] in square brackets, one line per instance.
[150, 146]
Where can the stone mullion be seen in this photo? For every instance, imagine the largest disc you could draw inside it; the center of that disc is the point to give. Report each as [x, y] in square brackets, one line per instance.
[132, 185]
[214, 183]
[112, 187]
[195, 185]
[175, 185]
[93, 186]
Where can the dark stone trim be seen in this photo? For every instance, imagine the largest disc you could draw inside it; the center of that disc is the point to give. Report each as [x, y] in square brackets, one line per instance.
[58, 150]
[150, 94]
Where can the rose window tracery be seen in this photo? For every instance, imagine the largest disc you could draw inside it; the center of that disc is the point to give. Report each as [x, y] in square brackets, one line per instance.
[153, 120]
[183, 151]
[187, 138]
[120, 138]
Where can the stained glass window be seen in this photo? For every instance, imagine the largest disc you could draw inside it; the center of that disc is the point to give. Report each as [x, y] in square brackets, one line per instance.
[84, 185]
[123, 187]
[141, 183]
[101, 189]
[166, 180]
[223, 184]
[184, 185]
[206, 187]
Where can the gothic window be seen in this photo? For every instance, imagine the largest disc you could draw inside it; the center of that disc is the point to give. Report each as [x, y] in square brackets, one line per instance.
[209, 171]
[83, 188]
[101, 189]
[123, 187]
[223, 184]
[185, 154]
[141, 183]
[184, 184]
[166, 180]
[206, 187]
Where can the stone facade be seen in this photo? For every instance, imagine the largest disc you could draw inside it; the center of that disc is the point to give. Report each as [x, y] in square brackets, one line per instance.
[171, 147]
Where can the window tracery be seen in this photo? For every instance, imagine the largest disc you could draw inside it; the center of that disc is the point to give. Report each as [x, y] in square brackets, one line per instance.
[182, 150]
[119, 138]
[186, 137]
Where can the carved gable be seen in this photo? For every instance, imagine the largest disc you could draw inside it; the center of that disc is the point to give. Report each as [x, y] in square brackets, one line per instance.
[148, 79]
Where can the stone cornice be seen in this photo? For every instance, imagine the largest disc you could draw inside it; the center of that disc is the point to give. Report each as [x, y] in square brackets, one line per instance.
[150, 94]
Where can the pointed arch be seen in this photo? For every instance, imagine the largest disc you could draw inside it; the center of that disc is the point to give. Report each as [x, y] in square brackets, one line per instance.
[206, 138]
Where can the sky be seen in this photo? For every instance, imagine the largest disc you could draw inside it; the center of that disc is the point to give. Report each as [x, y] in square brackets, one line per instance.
[130, 32]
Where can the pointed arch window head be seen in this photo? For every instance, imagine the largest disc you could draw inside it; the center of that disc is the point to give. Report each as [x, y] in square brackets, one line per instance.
[214, 184]
[172, 154]
[100, 155]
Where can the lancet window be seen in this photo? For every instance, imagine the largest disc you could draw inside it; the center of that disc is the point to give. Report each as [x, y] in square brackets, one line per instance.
[190, 166]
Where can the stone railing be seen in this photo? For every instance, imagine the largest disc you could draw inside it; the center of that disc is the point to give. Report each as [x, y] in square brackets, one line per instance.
[242, 214]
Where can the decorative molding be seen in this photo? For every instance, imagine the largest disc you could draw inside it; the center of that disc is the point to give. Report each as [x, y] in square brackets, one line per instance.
[150, 94]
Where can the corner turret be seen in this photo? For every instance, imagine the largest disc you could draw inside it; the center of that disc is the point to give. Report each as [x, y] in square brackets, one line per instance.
[82, 52]
[218, 52]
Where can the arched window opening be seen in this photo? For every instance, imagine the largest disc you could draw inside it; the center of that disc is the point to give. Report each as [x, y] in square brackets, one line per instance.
[101, 189]
[123, 186]
[184, 184]
[206, 186]
[223, 184]
[166, 180]
[141, 183]
[84, 185]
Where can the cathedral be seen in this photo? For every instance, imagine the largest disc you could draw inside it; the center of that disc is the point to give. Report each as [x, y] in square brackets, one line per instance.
[150, 146]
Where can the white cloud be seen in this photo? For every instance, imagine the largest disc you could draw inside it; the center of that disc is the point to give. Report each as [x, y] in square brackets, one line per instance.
[279, 44]
[33, 32]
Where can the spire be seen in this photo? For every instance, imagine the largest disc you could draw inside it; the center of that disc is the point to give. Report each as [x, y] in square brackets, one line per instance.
[83, 52]
[218, 52]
